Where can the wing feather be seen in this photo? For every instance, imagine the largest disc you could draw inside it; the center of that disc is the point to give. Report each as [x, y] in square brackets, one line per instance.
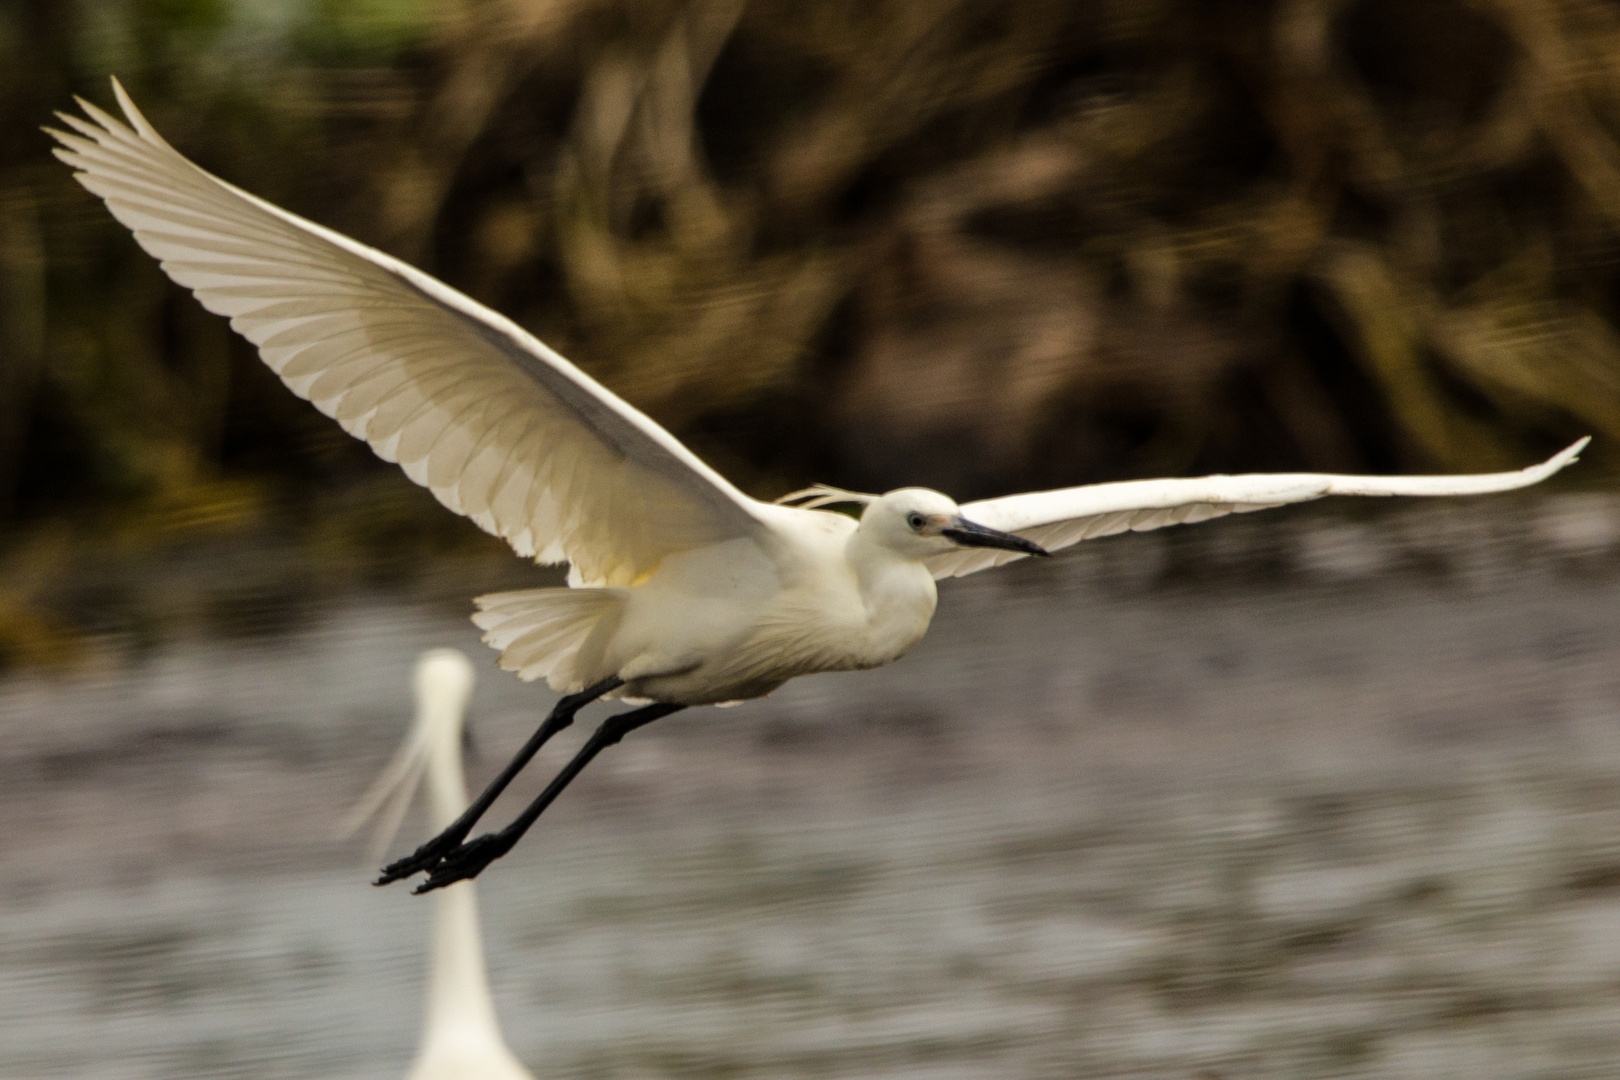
[458, 460]
[1057, 519]
[470, 405]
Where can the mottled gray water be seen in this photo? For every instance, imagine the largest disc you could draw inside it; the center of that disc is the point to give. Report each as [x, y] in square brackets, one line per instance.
[1326, 797]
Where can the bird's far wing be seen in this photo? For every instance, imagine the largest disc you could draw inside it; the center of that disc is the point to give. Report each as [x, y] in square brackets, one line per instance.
[1056, 519]
[498, 426]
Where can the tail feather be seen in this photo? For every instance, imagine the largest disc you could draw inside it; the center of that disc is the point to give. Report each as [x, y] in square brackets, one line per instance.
[540, 631]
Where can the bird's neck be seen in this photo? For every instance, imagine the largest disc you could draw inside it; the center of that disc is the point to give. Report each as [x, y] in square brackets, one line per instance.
[447, 791]
[459, 1008]
[898, 593]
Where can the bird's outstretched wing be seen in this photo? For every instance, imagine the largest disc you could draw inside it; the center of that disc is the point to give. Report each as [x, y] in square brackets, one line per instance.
[1056, 519]
[498, 426]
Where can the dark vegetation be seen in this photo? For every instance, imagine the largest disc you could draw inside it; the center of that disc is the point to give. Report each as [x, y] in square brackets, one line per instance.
[979, 244]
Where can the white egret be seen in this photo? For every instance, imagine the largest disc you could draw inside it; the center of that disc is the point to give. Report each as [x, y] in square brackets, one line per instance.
[461, 1039]
[683, 590]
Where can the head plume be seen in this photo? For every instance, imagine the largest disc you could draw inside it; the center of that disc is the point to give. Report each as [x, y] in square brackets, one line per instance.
[443, 681]
[816, 496]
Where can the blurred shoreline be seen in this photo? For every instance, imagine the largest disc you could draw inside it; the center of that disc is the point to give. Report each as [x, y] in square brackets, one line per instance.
[67, 602]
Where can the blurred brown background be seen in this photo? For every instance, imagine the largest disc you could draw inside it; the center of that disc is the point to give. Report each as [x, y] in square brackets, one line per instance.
[979, 245]
[1321, 793]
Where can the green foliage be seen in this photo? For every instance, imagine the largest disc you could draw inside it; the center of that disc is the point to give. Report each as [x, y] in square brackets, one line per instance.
[353, 32]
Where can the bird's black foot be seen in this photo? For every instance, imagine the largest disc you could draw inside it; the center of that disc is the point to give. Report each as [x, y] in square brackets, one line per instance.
[431, 854]
[467, 861]
[448, 861]
[427, 857]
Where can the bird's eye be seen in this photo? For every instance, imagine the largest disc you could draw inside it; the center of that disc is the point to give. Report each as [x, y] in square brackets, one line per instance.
[915, 520]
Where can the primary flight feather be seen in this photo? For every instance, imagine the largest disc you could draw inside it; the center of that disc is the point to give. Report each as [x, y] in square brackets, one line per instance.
[683, 590]
[499, 427]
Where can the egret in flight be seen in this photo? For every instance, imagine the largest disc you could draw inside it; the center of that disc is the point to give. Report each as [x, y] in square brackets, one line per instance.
[682, 590]
[461, 1039]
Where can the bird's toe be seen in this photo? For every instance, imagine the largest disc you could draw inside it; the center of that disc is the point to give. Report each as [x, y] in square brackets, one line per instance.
[466, 862]
[427, 857]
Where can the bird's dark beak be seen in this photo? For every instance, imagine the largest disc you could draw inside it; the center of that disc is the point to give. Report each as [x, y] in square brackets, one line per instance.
[969, 534]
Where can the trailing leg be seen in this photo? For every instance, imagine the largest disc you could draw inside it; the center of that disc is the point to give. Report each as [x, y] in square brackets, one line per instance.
[429, 854]
[469, 859]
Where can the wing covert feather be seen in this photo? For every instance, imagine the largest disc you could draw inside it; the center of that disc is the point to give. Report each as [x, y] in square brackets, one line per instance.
[470, 405]
[1058, 519]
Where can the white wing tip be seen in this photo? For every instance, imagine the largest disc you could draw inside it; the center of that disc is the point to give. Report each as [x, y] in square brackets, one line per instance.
[132, 114]
[1567, 456]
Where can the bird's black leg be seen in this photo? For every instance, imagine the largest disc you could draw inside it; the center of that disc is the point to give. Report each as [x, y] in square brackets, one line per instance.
[428, 855]
[466, 861]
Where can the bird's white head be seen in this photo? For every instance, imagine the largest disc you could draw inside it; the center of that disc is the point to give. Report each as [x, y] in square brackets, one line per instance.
[444, 677]
[918, 523]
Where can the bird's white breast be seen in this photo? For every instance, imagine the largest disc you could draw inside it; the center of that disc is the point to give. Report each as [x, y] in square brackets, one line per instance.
[736, 620]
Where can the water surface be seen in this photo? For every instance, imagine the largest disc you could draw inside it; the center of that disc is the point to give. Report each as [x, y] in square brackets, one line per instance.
[1337, 799]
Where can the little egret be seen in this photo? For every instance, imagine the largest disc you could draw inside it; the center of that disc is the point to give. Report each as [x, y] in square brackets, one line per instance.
[682, 590]
[460, 1037]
